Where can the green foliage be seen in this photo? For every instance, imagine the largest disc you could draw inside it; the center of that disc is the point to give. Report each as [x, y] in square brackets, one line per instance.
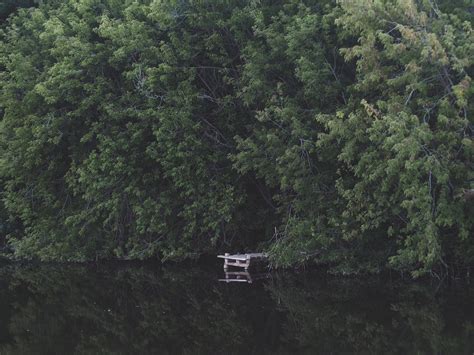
[336, 134]
[298, 76]
[126, 110]
[406, 137]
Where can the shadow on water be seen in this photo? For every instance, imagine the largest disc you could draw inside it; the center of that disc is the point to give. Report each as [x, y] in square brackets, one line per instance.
[174, 310]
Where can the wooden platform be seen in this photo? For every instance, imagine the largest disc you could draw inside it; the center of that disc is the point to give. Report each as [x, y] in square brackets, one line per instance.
[242, 260]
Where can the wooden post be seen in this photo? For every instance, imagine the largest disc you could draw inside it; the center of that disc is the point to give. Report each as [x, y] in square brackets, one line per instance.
[225, 261]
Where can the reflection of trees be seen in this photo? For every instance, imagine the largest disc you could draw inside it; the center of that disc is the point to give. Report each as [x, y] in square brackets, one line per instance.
[9, 6]
[140, 310]
[347, 316]
[135, 310]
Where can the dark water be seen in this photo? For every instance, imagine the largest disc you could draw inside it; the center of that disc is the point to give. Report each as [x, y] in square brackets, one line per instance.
[147, 309]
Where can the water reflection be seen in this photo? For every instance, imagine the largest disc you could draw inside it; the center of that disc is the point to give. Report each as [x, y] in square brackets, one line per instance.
[146, 309]
[243, 276]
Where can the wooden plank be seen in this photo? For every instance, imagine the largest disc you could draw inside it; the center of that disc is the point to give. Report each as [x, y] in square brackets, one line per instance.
[233, 257]
[238, 264]
[243, 257]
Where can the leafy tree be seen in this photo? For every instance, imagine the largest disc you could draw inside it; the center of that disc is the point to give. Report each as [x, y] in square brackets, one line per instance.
[298, 75]
[407, 137]
[126, 108]
[331, 133]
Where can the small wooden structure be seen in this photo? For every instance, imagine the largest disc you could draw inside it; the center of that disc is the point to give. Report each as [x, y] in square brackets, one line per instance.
[242, 260]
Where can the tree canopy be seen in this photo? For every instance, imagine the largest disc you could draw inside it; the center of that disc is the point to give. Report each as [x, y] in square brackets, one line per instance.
[331, 133]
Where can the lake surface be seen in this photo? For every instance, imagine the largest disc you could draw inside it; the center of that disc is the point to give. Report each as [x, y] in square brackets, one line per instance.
[149, 309]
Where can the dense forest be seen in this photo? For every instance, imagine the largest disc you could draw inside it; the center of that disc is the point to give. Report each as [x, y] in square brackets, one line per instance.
[332, 133]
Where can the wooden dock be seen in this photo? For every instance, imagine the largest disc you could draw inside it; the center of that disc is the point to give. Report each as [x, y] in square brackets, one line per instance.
[242, 260]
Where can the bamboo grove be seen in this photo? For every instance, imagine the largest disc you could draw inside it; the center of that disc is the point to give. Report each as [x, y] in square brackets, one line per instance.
[323, 132]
